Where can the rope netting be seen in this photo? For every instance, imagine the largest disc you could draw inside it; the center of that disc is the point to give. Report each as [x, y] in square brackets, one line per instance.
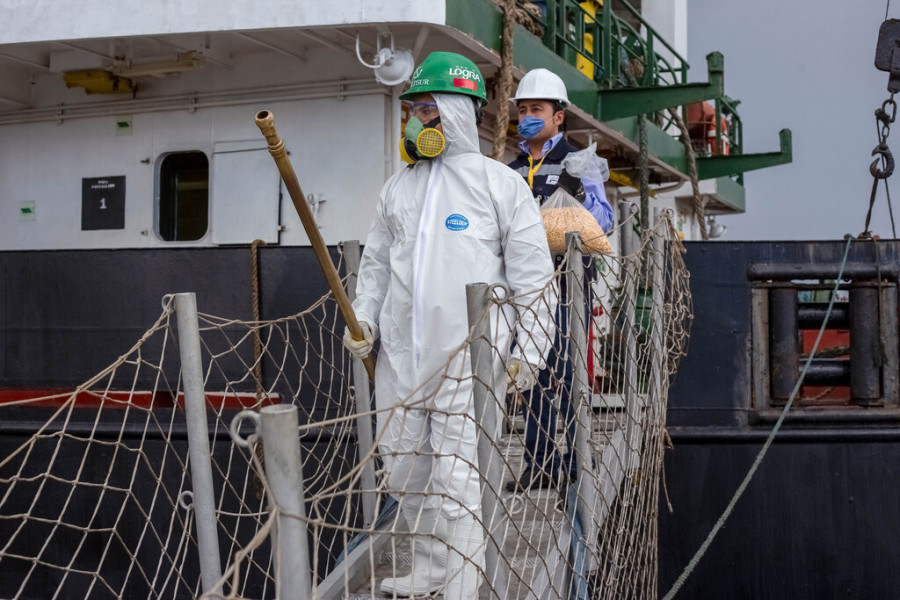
[546, 492]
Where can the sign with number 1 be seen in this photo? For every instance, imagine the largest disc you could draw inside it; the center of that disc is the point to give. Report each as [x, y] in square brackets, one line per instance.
[103, 203]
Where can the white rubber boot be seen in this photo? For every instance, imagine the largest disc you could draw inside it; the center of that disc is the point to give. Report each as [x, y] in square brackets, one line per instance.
[429, 557]
[465, 558]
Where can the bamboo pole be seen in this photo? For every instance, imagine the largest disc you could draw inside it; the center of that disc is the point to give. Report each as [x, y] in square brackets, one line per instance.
[266, 123]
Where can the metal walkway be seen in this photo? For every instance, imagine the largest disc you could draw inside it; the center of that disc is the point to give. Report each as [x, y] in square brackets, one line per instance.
[533, 535]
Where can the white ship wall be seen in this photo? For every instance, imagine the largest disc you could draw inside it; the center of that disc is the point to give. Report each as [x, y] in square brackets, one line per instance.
[37, 20]
[342, 143]
[669, 19]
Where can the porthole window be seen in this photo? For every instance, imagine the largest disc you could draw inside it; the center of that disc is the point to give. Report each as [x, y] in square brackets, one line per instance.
[183, 197]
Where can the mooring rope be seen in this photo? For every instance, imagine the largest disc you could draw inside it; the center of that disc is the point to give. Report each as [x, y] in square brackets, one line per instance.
[644, 169]
[505, 80]
[254, 307]
[762, 453]
[698, 203]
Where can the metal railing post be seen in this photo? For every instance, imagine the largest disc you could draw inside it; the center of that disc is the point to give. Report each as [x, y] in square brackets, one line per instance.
[658, 362]
[606, 40]
[362, 394]
[204, 502]
[281, 443]
[478, 296]
[550, 18]
[629, 242]
[720, 150]
[579, 399]
[631, 260]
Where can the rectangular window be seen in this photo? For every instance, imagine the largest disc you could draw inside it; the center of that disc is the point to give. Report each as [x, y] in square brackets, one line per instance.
[183, 197]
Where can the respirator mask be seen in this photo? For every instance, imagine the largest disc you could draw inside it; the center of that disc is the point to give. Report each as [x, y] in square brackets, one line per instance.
[422, 140]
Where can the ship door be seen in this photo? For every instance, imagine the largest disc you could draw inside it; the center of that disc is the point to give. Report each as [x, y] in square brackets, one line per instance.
[245, 193]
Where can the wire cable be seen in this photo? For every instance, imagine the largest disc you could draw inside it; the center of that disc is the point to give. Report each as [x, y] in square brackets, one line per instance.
[762, 453]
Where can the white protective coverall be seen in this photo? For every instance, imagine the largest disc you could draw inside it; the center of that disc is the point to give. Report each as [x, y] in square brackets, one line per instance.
[441, 224]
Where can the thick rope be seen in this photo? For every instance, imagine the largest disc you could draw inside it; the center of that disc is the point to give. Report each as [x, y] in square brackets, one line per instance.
[762, 453]
[505, 81]
[254, 307]
[644, 168]
[258, 485]
[699, 204]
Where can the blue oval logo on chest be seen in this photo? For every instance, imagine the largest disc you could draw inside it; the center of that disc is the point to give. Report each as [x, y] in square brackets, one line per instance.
[456, 222]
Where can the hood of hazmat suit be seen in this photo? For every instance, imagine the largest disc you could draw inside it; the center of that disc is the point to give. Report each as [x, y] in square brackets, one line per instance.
[440, 224]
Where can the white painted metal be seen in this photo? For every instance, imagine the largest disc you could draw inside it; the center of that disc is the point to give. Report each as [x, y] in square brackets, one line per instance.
[284, 470]
[669, 19]
[81, 19]
[204, 504]
[337, 149]
[362, 393]
[245, 188]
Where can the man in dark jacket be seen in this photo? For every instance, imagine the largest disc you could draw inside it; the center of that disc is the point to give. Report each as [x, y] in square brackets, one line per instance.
[541, 100]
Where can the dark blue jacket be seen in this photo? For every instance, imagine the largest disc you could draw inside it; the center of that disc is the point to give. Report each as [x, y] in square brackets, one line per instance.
[547, 175]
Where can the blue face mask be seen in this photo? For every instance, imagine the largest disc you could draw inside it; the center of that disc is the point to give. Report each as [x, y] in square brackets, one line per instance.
[530, 126]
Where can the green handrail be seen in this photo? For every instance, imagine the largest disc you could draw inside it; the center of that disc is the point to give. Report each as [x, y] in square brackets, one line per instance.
[614, 42]
[624, 51]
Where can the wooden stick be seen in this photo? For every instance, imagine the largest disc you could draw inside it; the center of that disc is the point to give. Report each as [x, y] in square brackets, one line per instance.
[266, 123]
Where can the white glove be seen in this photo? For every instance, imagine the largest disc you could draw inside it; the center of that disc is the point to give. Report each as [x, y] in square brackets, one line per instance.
[519, 376]
[360, 348]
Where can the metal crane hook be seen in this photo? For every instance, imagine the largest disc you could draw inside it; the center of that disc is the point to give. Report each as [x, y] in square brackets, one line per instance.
[888, 158]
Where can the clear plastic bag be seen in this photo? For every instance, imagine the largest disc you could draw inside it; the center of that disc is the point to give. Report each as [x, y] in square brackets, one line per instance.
[586, 164]
[561, 214]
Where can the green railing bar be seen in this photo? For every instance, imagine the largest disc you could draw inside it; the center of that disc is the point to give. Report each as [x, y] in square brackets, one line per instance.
[709, 167]
[718, 121]
[606, 61]
[625, 102]
[650, 29]
[606, 40]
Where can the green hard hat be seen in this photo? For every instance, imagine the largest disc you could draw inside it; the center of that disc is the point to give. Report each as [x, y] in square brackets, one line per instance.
[447, 72]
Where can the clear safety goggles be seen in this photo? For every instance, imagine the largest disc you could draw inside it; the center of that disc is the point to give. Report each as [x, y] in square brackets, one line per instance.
[424, 111]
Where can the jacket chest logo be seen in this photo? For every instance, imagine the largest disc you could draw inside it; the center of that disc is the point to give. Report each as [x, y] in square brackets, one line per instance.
[456, 222]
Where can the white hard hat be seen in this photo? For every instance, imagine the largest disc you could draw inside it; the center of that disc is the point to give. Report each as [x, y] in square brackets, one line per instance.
[541, 84]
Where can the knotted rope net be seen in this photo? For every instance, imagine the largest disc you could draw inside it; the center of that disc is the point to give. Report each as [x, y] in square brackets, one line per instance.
[100, 497]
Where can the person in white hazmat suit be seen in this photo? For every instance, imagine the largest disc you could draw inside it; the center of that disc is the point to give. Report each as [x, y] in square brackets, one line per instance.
[453, 217]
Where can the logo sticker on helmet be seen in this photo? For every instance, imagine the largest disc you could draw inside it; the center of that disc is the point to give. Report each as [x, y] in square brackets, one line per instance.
[464, 72]
[456, 222]
[465, 83]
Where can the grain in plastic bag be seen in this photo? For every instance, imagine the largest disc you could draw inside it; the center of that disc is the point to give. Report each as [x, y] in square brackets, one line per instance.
[562, 213]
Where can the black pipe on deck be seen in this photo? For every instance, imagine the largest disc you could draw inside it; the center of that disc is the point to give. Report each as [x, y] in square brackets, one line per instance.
[865, 357]
[826, 371]
[811, 315]
[787, 271]
[784, 347]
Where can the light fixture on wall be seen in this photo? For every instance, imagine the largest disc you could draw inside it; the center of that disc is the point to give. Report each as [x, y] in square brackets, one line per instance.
[392, 66]
[714, 229]
[185, 61]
